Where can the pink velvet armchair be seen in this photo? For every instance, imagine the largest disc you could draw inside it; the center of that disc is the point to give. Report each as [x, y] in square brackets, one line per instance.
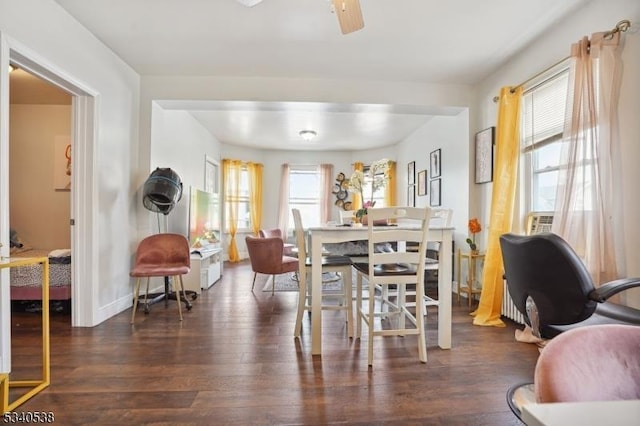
[267, 257]
[271, 233]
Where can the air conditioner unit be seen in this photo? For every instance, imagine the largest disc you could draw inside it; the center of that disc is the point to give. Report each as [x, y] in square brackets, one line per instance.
[538, 222]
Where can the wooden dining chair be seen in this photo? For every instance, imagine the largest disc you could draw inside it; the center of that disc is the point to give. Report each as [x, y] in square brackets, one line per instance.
[393, 268]
[332, 263]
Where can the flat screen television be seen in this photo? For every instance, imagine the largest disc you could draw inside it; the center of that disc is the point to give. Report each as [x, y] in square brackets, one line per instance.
[204, 219]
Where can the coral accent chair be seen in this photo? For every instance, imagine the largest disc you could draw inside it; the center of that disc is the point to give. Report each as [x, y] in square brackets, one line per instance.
[270, 233]
[267, 257]
[161, 255]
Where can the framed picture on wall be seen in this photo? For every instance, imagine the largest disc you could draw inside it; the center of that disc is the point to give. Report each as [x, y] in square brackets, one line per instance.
[484, 155]
[436, 197]
[411, 173]
[422, 182]
[411, 195]
[436, 164]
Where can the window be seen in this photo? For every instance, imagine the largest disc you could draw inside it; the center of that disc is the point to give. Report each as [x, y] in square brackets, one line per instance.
[244, 217]
[543, 116]
[304, 193]
[378, 195]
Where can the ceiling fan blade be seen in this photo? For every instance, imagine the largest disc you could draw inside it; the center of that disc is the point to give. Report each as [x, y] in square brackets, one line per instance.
[349, 15]
[249, 3]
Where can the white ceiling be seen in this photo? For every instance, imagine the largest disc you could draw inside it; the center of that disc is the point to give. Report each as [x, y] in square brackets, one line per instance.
[428, 41]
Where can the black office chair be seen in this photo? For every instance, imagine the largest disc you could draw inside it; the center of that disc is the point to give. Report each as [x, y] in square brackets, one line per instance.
[553, 290]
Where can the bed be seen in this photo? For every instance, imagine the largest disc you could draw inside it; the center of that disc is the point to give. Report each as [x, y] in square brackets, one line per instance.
[26, 281]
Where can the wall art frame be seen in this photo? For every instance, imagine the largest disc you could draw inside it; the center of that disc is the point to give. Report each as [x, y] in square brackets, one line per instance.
[422, 183]
[411, 173]
[484, 155]
[436, 196]
[435, 160]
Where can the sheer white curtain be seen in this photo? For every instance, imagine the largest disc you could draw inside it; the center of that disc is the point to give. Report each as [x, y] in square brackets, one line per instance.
[283, 207]
[587, 208]
[326, 183]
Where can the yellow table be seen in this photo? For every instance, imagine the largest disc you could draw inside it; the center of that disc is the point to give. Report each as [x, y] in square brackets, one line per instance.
[39, 384]
[472, 284]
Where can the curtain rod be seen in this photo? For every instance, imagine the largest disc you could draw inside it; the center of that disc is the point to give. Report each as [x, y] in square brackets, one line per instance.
[620, 27]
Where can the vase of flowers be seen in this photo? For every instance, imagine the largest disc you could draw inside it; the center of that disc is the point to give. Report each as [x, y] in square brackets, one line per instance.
[377, 177]
[474, 228]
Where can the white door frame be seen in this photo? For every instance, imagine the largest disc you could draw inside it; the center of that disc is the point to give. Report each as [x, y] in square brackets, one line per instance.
[84, 242]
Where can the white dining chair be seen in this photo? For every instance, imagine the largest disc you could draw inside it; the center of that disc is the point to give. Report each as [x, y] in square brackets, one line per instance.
[393, 268]
[439, 218]
[343, 299]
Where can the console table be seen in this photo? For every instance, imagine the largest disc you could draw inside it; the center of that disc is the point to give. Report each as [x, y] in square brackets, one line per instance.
[39, 384]
[206, 269]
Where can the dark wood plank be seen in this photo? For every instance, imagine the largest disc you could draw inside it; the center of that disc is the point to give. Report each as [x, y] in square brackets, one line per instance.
[233, 360]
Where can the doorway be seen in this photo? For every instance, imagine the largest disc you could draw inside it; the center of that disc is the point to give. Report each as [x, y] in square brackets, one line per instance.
[40, 190]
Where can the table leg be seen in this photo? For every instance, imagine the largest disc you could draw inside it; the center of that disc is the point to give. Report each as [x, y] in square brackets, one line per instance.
[444, 294]
[316, 295]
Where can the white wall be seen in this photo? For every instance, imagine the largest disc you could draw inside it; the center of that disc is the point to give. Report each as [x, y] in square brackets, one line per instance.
[180, 143]
[43, 31]
[450, 134]
[595, 16]
[39, 212]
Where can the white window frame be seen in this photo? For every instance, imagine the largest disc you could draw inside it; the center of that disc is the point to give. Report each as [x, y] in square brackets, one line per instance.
[301, 203]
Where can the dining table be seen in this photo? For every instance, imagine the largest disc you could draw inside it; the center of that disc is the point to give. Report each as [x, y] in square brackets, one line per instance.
[326, 234]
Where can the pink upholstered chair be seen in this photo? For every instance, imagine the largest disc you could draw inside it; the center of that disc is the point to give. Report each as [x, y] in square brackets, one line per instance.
[591, 363]
[595, 363]
[161, 255]
[266, 255]
[270, 233]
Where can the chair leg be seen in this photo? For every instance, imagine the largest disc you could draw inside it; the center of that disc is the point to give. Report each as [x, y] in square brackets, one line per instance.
[348, 291]
[136, 293]
[302, 302]
[371, 321]
[255, 274]
[177, 291]
[273, 286]
[358, 305]
[420, 323]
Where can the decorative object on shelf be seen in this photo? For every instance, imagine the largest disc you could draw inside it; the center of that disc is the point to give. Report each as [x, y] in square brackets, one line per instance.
[422, 182]
[435, 186]
[377, 176]
[484, 155]
[436, 164]
[474, 228]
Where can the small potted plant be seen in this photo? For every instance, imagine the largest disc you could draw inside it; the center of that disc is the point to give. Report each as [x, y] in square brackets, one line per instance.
[474, 228]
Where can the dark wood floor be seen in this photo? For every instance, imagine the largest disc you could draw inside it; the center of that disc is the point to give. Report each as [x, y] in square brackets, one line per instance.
[233, 360]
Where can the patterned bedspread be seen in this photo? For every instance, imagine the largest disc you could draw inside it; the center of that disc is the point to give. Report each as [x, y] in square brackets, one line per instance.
[31, 275]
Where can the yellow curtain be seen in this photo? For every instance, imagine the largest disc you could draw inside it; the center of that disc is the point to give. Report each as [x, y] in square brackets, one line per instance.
[502, 204]
[255, 195]
[231, 176]
[390, 189]
[357, 200]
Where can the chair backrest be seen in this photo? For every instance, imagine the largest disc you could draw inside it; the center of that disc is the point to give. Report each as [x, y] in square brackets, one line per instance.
[441, 218]
[346, 217]
[418, 220]
[546, 268]
[301, 241]
[265, 254]
[595, 363]
[270, 233]
[162, 250]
